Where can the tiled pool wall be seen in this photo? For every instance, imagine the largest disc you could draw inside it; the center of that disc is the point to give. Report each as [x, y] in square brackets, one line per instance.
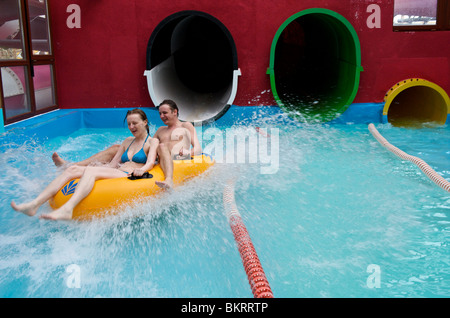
[65, 121]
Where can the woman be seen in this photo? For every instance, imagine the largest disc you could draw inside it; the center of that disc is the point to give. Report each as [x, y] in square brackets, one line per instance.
[135, 156]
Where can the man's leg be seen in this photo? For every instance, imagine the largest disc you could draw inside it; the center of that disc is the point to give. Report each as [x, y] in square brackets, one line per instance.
[104, 156]
[165, 160]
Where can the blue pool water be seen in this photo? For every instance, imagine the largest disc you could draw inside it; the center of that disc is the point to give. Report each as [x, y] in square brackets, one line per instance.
[339, 206]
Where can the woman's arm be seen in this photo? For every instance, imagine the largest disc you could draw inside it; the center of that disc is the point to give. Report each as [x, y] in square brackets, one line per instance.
[117, 158]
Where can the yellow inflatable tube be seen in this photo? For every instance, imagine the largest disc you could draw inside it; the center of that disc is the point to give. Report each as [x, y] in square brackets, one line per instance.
[108, 194]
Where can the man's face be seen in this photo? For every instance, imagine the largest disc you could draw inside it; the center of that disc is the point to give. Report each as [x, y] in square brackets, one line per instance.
[166, 114]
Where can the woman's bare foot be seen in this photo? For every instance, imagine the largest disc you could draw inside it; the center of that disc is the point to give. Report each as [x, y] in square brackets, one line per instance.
[58, 160]
[166, 185]
[26, 208]
[59, 214]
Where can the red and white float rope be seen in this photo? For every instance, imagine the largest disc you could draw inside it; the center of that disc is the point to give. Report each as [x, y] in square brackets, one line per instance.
[255, 273]
[429, 172]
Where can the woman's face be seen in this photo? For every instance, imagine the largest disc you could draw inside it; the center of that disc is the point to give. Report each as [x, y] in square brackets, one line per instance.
[135, 124]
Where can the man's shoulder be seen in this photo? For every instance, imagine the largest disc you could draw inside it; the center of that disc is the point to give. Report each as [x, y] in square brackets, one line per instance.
[187, 124]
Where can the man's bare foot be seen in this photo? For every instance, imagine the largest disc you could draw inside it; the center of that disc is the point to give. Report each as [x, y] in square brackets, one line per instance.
[25, 208]
[58, 160]
[60, 214]
[166, 185]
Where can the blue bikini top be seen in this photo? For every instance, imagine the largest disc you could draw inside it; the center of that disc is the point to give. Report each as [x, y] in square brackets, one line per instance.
[139, 157]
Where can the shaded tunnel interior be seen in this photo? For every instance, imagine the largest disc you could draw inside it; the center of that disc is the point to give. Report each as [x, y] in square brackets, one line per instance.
[416, 105]
[316, 66]
[192, 59]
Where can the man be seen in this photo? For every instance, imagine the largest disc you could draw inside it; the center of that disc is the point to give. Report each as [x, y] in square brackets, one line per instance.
[175, 140]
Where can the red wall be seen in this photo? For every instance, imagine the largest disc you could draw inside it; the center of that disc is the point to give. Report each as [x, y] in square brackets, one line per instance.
[102, 63]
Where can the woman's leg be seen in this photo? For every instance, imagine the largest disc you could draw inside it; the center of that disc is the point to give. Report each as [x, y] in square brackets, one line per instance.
[30, 208]
[84, 187]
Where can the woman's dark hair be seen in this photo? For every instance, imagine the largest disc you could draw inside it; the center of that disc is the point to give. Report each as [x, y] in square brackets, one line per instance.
[173, 106]
[141, 114]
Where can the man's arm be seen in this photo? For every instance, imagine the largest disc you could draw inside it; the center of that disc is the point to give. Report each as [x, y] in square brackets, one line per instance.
[196, 146]
[156, 135]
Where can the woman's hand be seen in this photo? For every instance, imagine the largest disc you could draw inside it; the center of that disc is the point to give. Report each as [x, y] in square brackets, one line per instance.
[137, 173]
